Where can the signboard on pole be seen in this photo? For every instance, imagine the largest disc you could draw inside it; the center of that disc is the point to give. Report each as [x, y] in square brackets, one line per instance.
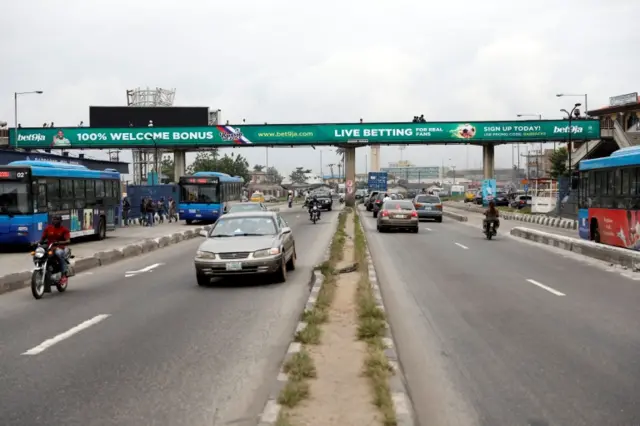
[349, 183]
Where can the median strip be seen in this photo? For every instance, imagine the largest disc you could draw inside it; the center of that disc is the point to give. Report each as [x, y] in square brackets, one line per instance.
[336, 370]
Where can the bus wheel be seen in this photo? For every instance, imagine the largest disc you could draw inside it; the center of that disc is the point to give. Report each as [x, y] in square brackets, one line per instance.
[189, 221]
[102, 229]
[595, 231]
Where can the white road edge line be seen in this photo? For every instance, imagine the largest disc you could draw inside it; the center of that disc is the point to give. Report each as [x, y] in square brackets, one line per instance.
[428, 229]
[549, 289]
[461, 246]
[60, 337]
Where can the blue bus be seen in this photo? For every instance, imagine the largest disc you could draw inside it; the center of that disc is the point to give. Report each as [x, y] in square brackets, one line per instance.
[31, 192]
[204, 196]
[609, 199]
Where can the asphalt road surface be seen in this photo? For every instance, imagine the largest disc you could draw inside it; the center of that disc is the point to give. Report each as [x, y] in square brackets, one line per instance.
[505, 332]
[150, 347]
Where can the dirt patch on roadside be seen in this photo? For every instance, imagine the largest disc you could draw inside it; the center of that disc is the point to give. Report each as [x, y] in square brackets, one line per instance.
[340, 395]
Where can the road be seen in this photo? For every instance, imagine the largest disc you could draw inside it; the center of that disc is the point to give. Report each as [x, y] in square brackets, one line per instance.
[505, 332]
[158, 349]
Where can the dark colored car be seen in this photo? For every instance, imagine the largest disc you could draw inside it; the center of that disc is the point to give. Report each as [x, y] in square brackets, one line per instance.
[377, 203]
[428, 207]
[521, 201]
[368, 202]
[325, 200]
[501, 199]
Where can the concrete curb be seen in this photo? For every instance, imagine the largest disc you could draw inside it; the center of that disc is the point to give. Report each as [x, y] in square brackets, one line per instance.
[272, 408]
[18, 280]
[539, 219]
[455, 216]
[399, 393]
[616, 255]
[553, 222]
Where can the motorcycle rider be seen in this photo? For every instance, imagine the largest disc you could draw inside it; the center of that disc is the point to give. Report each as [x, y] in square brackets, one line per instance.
[491, 215]
[314, 202]
[60, 235]
[290, 198]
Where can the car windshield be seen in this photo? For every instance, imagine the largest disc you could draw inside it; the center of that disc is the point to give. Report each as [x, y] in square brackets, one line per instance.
[427, 199]
[245, 207]
[243, 227]
[14, 198]
[398, 205]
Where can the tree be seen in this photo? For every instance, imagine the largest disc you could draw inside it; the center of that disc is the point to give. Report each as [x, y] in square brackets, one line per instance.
[331, 166]
[558, 161]
[167, 168]
[298, 175]
[258, 168]
[234, 165]
[273, 176]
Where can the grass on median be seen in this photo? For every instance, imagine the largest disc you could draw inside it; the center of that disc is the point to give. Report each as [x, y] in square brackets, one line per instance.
[371, 329]
[300, 367]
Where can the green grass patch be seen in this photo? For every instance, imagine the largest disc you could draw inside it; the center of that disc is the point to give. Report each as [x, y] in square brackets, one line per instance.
[371, 329]
[300, 367]
[310, 335]
[293, 393]
[283, 419]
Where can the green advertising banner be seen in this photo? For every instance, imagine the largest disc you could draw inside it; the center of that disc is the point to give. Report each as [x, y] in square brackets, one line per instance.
[307, 134]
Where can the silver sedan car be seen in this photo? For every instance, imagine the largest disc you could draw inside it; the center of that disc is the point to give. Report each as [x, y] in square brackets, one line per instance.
[247, 243]
[398, 214]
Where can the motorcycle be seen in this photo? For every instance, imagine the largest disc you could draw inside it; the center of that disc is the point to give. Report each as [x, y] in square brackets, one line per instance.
[490, 230]
[47, 270]
[315, 214]
[290, 202]
[341, 199]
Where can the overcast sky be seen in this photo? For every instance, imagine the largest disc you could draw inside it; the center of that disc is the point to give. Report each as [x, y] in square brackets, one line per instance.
[285, 61]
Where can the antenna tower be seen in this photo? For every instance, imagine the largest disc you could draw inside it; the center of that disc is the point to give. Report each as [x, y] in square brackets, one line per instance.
[144, 160]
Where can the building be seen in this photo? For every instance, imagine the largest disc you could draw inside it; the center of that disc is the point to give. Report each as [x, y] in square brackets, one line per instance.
[260, 181]
[404, 170]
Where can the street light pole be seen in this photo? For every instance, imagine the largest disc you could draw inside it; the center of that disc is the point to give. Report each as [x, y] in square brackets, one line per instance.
[15, 110]
[570, 117]
[579, 95]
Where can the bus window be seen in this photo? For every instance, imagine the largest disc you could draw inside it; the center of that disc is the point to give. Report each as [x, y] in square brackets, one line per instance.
[90, 191]
[624, 187]
[78, 193]
[41, 196]
[14, 198]
[53, 194]
[99, 190]
[66, 193]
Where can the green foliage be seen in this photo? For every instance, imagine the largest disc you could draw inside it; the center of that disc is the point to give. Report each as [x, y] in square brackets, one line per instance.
[273, 176]
[558, 160]
[298, 175]
[258, 168]
[166, 168]
[210, 161]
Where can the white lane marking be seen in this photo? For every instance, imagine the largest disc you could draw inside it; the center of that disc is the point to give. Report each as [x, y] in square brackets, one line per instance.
[461, 246]
[297, 216]
[129, 274]
[60, 337]
[544, 287]
[428, 229]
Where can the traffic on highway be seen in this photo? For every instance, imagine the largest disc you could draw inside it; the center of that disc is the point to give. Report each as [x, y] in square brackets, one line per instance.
[487, 332]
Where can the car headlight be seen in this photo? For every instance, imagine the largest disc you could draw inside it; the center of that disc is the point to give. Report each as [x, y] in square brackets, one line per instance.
[205, 254]
[266, 252]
